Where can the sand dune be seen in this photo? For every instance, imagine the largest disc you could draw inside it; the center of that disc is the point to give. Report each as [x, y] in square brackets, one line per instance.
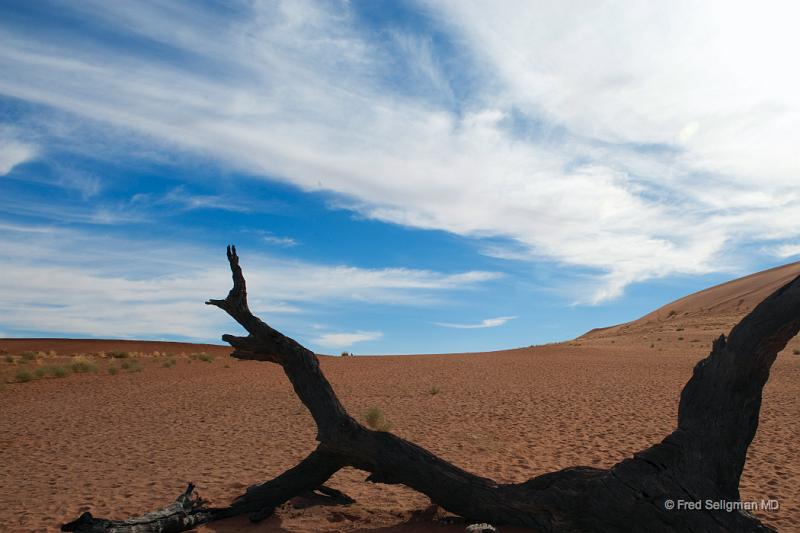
[719, 307]
[124, 444]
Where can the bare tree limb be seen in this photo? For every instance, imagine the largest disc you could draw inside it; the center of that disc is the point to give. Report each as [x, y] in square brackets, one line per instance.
[702, 459]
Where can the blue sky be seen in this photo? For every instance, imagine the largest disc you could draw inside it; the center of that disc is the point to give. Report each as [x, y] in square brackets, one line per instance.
[399, 177]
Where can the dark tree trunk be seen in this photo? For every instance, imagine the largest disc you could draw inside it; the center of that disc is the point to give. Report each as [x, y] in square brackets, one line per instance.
[701, 460]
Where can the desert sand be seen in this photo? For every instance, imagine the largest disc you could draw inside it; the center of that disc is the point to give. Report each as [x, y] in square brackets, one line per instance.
[123, 444]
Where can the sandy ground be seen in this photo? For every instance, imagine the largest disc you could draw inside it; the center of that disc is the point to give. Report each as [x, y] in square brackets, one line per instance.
[124, 444]
[120, 445]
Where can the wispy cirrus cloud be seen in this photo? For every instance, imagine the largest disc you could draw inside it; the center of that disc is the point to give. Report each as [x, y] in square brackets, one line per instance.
[346, 340]
[182, 199]
[785, 251]
[57, 280]
[287, 242]
[485, 323]
[656, 163]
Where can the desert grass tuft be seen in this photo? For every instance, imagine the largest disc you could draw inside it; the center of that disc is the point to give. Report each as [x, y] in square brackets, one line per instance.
[24, 375]
[113, 370]
[118, 355]
[40, 372]
[29, 355]
[81, 364]
[9, 358]
[132, 365]
[169, 363]
[376, 419]
[433, 391]
[202, 356]
[58, 371]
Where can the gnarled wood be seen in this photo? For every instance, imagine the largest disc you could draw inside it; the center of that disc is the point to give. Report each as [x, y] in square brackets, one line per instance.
[701, 460]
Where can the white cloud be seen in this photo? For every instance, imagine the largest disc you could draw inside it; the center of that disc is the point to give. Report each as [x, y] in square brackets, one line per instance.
[646, 73]
[280, 241]
[785, 251]
[486, 323]
[676, 134]
[57, 280]
[345, 340]
[13, 151]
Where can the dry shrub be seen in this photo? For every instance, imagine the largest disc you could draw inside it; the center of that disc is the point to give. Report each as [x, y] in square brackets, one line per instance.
[376, 419]
[58, 372]
[131, 365]
[81, 364]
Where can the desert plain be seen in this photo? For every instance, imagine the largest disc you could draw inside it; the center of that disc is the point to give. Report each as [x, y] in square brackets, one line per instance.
[123, 442]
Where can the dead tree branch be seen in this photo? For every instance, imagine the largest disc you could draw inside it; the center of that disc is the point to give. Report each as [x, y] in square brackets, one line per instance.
[702, 459]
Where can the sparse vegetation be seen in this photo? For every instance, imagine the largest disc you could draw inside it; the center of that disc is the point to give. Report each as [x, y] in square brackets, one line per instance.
[433, 391]
[131, 365]
[24, 375]
[376, 419]
[345, 354]
[202, 356]
[169, 363]
[58, 372]
[9, 358]
[113, 370]
[40, 372]
[81, 364]
[118, 355]
[28, 355]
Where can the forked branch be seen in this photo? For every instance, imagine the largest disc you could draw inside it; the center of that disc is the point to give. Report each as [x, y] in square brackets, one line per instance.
[702, 459]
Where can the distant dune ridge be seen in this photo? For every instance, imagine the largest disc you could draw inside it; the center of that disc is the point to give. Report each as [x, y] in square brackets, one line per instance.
[720, 306]
[508, 415]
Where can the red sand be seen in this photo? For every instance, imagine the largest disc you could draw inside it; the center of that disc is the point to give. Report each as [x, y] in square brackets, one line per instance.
[124, 444]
